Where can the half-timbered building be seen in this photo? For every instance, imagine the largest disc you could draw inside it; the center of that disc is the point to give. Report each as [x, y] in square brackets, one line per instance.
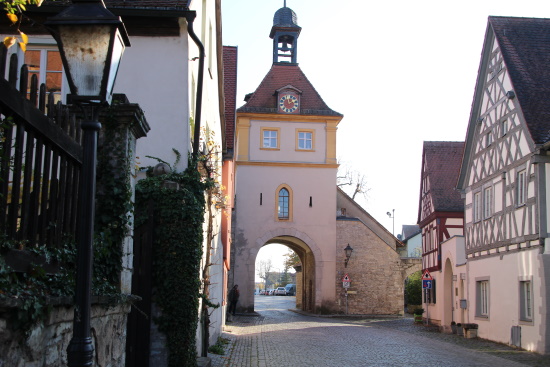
[440, 211]
[504, 181]
[440, 215]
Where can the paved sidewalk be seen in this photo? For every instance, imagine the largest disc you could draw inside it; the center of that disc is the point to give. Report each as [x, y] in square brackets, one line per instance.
[278, 337]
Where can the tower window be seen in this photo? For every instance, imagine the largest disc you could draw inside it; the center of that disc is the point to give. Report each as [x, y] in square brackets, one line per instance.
[283, 204]
[283, 200]
[305, 140]
[270, 138]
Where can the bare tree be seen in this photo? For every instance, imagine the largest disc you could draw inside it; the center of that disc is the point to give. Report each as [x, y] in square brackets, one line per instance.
[264, 269]
[357, 181]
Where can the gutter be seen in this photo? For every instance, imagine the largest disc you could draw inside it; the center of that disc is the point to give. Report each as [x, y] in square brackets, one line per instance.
[190, 17]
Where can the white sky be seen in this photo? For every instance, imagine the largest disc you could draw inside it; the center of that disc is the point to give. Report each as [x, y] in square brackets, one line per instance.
[402, 72]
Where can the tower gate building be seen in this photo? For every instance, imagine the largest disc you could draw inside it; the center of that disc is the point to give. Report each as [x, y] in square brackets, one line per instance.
[286, 192]
[286, 173]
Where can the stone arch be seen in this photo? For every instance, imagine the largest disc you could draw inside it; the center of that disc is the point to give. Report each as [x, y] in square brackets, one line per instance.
[410, 266]
[308, 291]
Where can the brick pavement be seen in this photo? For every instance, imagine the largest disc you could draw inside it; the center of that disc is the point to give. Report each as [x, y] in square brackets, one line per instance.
[277, 337]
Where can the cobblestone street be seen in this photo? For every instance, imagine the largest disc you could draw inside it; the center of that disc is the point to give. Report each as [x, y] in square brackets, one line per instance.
[279, 337]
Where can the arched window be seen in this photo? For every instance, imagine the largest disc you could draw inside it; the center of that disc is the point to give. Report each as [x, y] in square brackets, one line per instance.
[283, 205]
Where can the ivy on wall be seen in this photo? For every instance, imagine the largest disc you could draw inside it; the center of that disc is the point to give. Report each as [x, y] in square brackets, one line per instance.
[177, 253]
[28, 295]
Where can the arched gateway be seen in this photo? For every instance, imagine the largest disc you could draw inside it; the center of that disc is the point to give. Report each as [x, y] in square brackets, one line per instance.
[310, 256]
[286, 173]
[285, 186]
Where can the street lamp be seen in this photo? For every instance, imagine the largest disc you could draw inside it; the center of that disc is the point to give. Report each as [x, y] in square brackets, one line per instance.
[91, 42]
[348, 250]
[392, 216]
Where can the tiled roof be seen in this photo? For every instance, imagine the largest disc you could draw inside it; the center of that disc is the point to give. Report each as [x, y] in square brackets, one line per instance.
[264, 99]
[410, 230]
[525, 46]
[230, 91]
[442, 161]
[137, 4]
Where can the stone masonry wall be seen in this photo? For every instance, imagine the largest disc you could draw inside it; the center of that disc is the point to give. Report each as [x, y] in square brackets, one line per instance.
[46, 344]
[375, 271]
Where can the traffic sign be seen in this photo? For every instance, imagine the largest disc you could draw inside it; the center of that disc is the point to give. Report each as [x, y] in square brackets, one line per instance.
[427, 275]
[346, 284]
[346, 278]
[426, 284]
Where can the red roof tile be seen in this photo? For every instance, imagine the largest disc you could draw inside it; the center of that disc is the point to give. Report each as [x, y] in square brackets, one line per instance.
[441, 161]
[264, 99]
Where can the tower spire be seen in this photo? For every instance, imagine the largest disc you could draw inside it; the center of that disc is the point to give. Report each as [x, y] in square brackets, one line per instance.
[285, 33]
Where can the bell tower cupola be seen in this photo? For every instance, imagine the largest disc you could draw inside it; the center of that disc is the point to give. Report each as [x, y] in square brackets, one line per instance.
[285, 32]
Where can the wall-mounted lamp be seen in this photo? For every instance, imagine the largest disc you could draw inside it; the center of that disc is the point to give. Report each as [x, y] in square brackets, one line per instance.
[392, 216]
[348, 250]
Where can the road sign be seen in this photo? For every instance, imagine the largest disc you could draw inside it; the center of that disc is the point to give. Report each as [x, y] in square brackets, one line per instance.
[346, 278]
[346, 284]
[427, 276]
[426, 284]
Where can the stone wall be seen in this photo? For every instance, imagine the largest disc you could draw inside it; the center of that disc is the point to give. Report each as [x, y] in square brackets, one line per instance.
[375, 270]
[46, 344]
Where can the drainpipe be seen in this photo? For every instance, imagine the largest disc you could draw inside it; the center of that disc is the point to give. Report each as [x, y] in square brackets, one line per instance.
[190, 17]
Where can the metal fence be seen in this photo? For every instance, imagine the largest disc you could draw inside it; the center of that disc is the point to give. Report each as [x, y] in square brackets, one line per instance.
[40, 160]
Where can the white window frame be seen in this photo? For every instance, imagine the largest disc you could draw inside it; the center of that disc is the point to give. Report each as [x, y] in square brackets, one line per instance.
[44, 48]
[504, 126]
[526, 300]
[482, 298]
[521, 187]
[476, 207]
[270, 136]
[487, 202]
[302, 139]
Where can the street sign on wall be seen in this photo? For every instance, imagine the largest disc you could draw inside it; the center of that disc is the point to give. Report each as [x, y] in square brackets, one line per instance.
[346, 281]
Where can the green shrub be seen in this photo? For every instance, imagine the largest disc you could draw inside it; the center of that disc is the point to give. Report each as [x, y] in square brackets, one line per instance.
[413, 289]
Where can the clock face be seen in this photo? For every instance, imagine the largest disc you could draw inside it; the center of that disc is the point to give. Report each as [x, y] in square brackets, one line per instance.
[288, 103]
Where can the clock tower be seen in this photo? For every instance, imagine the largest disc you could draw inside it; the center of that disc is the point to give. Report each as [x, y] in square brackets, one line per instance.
[285, 175]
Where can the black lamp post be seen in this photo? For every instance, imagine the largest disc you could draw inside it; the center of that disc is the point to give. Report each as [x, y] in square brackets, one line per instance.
[348, 250]
[91, 42]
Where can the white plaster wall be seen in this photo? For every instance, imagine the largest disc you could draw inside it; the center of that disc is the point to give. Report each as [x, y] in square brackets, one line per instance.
[160, 85]
[413, 244]
[505, 272]
[441, 312]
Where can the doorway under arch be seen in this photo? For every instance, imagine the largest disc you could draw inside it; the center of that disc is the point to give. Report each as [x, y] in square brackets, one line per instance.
[305, 270]
[309, 276]
[448, 294]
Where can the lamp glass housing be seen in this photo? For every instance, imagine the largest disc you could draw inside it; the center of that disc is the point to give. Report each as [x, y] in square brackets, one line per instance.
[91, 67]
[348, 251]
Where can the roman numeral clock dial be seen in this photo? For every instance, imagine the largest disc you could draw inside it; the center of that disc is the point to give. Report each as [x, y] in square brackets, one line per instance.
[288, 103]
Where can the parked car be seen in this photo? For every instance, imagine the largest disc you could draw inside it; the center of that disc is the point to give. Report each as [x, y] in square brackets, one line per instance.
[280, 291]
[290, 289]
